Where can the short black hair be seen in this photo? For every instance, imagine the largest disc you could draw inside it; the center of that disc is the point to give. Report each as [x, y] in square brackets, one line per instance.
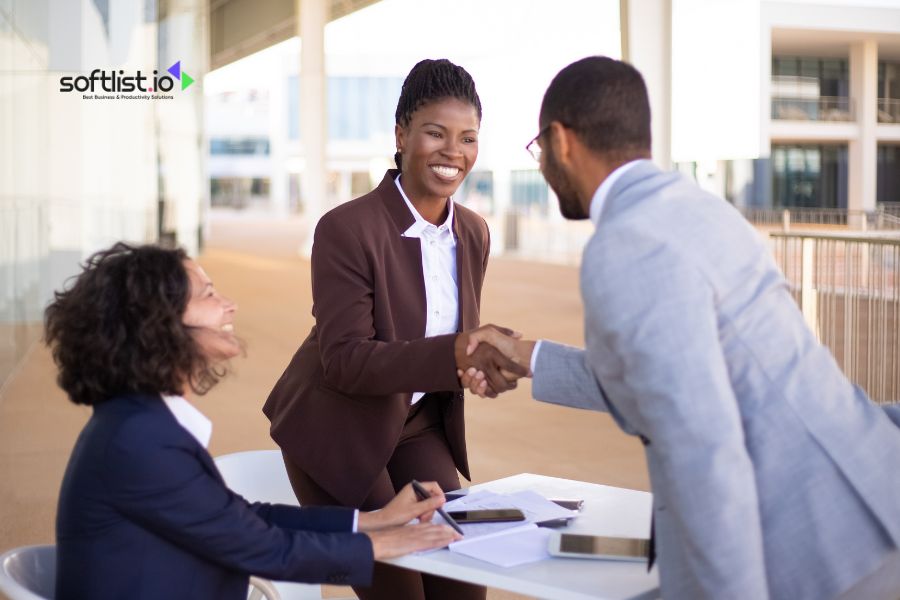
[118, 328]
[431, 80]
[605, 102]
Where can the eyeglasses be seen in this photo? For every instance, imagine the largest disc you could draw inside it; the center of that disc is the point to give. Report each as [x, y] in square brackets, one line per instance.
[533, 147]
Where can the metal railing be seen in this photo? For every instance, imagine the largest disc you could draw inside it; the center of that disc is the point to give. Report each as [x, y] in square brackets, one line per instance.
[848, 288]
[888, 110]
[890, 208]
[817, 108]
[885, 217]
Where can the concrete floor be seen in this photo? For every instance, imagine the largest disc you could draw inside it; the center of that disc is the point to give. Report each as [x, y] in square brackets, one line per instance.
[254, 262]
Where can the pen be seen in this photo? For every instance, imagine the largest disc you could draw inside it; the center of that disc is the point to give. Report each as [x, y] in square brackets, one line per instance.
[424, 495]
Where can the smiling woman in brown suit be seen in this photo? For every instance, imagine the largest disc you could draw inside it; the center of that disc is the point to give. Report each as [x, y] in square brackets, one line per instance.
[371, 399]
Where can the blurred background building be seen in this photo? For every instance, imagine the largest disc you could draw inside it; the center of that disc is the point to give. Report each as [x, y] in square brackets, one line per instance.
[78, 174]
[788, 109]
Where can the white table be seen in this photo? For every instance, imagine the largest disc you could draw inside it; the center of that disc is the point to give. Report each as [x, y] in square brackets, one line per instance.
[607, 511]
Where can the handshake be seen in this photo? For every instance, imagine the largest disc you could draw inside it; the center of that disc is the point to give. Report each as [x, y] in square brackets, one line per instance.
[491, 359]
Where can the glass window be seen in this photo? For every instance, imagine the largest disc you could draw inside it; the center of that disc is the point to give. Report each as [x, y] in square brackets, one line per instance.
[888, 178]
[811, 88]
[359, 108]
[239, 146]
[477, 192]
[529, 192]
[809, 176]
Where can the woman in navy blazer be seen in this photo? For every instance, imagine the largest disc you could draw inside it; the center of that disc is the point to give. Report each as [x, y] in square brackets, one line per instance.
[143, 511]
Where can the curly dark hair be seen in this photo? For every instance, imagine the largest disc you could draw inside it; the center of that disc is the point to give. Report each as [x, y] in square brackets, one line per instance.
[118, 328]
[431, 80]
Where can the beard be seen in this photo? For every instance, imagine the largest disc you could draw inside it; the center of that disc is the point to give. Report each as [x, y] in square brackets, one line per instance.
[569, 204]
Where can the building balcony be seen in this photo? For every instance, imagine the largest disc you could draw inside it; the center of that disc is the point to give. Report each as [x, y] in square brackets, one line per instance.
[889, 110]
[817, 108]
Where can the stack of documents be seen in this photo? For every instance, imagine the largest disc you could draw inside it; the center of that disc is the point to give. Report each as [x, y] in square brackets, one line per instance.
[512, 543]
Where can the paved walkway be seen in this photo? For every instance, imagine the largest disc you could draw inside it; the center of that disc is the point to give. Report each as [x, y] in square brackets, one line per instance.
[254, 263]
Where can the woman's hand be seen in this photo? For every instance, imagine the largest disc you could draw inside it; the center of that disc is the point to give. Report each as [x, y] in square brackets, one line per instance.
[397, 541]
[403, 508]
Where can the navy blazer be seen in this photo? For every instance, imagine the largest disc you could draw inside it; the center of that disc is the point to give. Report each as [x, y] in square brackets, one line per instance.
[144, 513]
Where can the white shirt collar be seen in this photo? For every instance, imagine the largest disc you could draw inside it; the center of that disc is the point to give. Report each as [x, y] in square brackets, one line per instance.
[602, 192]
[416, 229]
[190, 418]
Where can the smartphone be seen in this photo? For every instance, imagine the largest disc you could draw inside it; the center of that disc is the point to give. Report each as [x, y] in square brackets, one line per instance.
[572, 545]
[487, 515]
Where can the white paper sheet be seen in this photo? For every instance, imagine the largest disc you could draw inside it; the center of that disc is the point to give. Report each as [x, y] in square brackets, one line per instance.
[510, 543]
[509, 548]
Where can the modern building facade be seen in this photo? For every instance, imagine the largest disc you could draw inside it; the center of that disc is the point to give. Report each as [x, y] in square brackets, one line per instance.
[86, 158]
[834, 127]
[823, 75]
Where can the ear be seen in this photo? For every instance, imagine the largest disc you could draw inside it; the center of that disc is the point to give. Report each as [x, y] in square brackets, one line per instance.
[399, 137]
[562, 139]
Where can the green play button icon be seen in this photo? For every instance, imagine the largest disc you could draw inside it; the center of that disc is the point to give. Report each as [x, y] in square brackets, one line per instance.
[186, 80]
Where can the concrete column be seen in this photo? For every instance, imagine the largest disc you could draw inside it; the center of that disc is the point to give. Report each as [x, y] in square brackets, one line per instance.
[646, 30]
[312, 16]
[278, 139]
[863, 151]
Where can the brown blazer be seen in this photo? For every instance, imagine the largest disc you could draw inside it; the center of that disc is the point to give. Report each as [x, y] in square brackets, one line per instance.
[338, 409]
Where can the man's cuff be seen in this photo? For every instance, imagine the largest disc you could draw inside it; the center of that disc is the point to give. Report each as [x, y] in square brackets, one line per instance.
[355, 521]
[534, 354]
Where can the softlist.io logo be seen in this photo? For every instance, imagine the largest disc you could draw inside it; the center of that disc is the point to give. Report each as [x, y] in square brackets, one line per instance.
[177, 73]
[118, 83]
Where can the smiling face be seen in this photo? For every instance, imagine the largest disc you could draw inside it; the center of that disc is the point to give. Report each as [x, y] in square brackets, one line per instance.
[210, 316]
[439, 148]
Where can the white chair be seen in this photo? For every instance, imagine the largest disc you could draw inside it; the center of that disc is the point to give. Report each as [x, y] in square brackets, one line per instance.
[262, 589]
[259, 476]
[28, 573]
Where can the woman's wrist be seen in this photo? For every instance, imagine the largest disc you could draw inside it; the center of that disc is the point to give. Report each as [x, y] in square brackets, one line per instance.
[370, 521]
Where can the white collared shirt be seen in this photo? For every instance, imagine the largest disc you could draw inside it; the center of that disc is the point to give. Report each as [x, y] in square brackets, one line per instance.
[599, 199]
[196, 423]
[439, 270]
[596, 208]
[190, 418]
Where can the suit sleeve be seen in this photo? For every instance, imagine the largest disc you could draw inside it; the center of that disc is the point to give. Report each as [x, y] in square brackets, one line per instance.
[324, 519]
[656, 311]
[563, 376]
[159, 482]
[353, 361]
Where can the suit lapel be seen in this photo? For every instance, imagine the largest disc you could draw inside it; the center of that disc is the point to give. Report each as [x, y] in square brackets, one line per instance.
[412, 267]
[410, 252]
[465, 289]
[156, 403]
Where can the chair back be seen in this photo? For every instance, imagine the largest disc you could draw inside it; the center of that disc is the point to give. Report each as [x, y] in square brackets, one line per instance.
[29, 573]
[258, 476]
[262, 589]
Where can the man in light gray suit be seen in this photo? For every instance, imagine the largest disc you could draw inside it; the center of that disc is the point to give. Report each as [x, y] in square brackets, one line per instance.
[773, 475]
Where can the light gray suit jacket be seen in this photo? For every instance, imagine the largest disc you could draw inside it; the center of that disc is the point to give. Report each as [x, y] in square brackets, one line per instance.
[773, 475]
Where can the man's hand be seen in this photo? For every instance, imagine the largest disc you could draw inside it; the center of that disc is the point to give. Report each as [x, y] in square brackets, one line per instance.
[391, 543]
[518, 350]
[499, 370]
[403, 508]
